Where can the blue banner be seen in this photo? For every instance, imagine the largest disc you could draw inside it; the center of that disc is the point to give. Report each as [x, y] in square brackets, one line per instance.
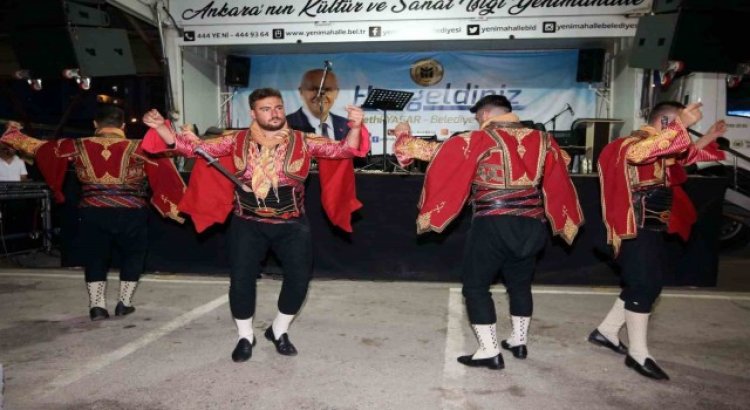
[539, 84]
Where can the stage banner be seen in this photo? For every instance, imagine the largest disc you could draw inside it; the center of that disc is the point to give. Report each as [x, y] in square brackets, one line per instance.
[212, 22]
[220, 12]
[539, 84]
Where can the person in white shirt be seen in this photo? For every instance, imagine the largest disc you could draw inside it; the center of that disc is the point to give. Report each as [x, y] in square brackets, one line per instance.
[12, 168]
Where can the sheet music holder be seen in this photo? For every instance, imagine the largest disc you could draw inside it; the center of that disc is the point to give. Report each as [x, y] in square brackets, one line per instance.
[386, 100]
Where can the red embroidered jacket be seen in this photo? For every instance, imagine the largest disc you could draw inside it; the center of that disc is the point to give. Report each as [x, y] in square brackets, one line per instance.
[647, 159]
[519, 170]
[112, 170]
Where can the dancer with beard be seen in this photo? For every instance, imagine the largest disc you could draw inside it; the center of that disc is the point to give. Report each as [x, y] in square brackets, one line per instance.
[273, 162]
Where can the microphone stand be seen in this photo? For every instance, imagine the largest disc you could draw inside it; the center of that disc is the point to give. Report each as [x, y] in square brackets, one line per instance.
[554, 118]
[319, 96]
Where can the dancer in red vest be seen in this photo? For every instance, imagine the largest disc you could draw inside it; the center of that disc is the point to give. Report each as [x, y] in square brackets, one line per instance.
[642, 200]
[113, 172]
[516, 179]
[273, 162]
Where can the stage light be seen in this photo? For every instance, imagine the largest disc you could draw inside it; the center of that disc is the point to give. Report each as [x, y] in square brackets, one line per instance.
[36, 83]
[22, 75]
[71, 73]
[733, 81]
[84, 83]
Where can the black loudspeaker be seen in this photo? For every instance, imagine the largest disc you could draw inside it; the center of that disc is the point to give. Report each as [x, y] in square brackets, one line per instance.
[705, 36]
[237, 71]
[590, 65]
[97, 52]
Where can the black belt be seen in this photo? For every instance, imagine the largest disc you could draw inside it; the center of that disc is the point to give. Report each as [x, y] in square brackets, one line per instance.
[509, 203]
[282, 202]
[112, 190]
[652, 207]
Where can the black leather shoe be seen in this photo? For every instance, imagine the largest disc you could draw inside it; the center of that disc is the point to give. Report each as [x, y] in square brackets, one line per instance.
[519, 352]
[243, 351]
[97, 313]
[649, 369]
[600, 340]
[122, 310]
[283, 345]
[494, 363]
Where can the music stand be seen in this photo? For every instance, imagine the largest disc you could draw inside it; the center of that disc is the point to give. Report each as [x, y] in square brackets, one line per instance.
[386, 100]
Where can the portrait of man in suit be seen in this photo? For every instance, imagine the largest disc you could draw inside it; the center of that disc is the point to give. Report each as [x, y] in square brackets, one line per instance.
[310, 117]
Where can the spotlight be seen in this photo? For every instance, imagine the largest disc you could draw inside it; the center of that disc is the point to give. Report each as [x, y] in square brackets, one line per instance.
[733, 81]
[71, 73]
[22, 75]
[36, 83]
[84, 83]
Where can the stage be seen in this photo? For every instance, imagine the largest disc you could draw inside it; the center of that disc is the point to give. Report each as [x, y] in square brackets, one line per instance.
[384, 245]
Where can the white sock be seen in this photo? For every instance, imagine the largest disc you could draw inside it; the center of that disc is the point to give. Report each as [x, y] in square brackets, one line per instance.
[281, 324]
[637, 335]
[612, 323]
[487, 338]
[97, 294]
[245, 329]
[127, 289]
[520, 330]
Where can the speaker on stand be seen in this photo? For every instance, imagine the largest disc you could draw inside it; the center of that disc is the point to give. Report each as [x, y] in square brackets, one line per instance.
[237, 73]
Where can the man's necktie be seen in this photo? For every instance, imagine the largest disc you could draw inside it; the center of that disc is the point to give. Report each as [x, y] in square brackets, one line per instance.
[324, 129]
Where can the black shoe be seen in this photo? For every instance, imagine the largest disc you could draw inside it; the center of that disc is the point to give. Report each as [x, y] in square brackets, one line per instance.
[519, 352]
[122, 310]
[283, 345]
[649, 369]
[98, 313]
[597, 338]
[494, 363]
[243, 351]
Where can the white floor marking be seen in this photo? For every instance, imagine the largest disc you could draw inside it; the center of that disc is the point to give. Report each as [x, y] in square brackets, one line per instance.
[453, 396]
[104, 360]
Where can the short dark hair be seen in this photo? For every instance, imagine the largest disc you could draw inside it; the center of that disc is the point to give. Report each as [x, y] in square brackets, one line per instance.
[494, 100]
[662, 109]
[107, 115]
[261, 93]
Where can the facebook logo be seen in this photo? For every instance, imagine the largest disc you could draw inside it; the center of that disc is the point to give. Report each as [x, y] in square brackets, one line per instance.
[375, 31]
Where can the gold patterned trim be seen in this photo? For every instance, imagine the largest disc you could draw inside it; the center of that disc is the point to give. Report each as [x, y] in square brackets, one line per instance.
[22, 142]
[524, 181]
[296, 165]
[612, 238]
[418, 149]
[642, 149]
[292, 145]
[423, 220]
[173, 212]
